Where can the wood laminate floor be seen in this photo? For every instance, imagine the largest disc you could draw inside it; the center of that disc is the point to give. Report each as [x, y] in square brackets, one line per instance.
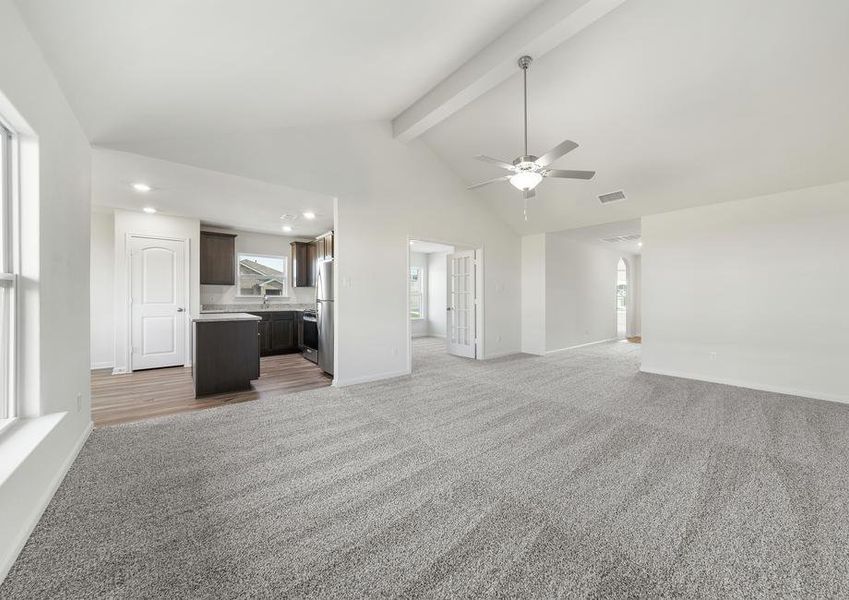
[157, 392]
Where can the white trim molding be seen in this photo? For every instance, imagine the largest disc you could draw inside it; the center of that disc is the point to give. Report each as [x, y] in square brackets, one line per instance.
[613, 339]
[751, 385]
[50, 422]
[371, 378]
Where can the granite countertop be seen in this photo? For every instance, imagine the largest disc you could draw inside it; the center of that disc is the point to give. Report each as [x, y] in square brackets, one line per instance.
[253, 308]
[225, 316]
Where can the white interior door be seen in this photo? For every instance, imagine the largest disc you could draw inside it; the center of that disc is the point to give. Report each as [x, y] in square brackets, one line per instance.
[157, 303]
[461, 313]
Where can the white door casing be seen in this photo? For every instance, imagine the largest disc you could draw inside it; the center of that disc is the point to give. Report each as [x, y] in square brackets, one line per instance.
[157, 303]
[462, 304]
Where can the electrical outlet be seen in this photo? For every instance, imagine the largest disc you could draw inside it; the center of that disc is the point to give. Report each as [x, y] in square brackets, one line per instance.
[79, 402]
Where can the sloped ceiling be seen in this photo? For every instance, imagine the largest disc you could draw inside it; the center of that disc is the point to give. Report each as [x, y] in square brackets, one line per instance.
[676, 103]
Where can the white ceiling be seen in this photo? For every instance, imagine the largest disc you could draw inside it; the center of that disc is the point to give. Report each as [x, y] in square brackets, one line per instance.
[677, 103]
[597, 235]
[139, 70]
[429, 247]
[217, 199]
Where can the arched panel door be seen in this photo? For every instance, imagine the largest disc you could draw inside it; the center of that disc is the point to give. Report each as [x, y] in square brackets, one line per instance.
[158, 303]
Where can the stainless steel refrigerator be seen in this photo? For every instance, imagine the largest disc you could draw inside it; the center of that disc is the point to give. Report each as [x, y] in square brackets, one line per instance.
[324, 315]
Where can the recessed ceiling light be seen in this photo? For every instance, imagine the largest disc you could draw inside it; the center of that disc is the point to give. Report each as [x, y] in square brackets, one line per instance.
[141, 187]
[412, 242]
[640, 244]
[287, 228]
[149, 210]
[309, 215]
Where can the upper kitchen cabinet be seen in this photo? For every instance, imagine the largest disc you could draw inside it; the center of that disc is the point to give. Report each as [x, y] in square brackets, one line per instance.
[303, 264]
[217, 258]
[324, 246]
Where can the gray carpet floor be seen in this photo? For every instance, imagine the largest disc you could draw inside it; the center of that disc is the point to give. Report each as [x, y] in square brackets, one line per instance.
[571, 475]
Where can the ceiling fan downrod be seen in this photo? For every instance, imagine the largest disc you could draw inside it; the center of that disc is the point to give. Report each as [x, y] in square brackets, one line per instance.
[524, 63]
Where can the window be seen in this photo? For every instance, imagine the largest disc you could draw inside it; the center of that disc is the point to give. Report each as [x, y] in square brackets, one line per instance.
[8, 189]
[262, 276]
[416, 295]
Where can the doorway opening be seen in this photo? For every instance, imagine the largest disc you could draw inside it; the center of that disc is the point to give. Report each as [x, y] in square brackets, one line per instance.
[622, 294]
[444, 301]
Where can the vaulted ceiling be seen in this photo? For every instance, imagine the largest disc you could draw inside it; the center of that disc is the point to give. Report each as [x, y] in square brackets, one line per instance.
[150, 69]
[676, 103]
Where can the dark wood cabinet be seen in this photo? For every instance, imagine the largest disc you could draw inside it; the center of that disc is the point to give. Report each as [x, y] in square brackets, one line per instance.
[277, 333]
[217, 258]
[324, 247]
[225, 355]
[283, 336]
[299, 327]
[264, 338]
[303, 264]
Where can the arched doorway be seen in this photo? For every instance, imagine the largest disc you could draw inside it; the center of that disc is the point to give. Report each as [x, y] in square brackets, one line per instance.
[622, 299]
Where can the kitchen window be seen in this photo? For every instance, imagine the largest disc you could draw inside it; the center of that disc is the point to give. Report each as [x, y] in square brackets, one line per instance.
[8, 191]
[262, 275]
[417, 309]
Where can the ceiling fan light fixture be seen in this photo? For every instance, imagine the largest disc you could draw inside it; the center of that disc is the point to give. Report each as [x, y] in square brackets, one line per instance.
[525, 180]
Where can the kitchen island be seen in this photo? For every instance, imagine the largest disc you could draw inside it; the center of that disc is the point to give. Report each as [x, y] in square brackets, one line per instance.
[225, 350]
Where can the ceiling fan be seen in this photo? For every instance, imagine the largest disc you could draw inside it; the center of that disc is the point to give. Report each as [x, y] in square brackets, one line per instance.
[527, 171]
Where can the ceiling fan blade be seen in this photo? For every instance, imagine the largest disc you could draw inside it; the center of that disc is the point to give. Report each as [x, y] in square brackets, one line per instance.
[570, 174]
[559, 150]
[483, 183]
[494, 161]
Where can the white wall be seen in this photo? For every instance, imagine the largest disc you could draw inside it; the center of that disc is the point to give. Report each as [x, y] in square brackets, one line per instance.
[580, 293]
[418, 327]
[386, 193]
[635, 288]
[569, 292]
[102, 271]
[130, 222]
[437, 293]
[53, 356]
[533, 293]
[751, 292]
[258, 243]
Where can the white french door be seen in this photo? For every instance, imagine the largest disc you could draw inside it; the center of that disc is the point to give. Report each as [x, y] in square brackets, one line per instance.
[462, 314]
[157, 302]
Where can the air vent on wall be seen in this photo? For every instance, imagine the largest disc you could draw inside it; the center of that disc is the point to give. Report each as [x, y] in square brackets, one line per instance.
[612, 197]
[630, 237]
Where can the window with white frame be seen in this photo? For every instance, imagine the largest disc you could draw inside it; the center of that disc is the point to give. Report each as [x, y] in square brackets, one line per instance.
[261, 275]
[416, 293]
[8, 190]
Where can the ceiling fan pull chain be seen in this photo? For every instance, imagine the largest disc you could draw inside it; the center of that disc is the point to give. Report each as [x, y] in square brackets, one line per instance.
[525, 211]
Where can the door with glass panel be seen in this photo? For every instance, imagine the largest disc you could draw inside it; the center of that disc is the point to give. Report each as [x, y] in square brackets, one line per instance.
[462, 307]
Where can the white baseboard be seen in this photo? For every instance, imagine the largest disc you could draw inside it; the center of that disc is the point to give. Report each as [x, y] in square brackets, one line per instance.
[370, 378]
[102, 365]
[613, 339]
[41, 506]
[499, 355]
[752, 385]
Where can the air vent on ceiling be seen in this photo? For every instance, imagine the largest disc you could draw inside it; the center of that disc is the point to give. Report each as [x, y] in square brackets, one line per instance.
[612, 197]
[630, 237]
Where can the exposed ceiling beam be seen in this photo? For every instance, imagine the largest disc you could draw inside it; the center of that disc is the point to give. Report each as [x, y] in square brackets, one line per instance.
[542, 30]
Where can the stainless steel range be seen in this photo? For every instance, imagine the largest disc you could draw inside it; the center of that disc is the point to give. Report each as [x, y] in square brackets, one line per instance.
[310, 350]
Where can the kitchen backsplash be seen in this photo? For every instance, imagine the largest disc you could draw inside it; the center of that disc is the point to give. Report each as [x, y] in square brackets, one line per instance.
[226, 294]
